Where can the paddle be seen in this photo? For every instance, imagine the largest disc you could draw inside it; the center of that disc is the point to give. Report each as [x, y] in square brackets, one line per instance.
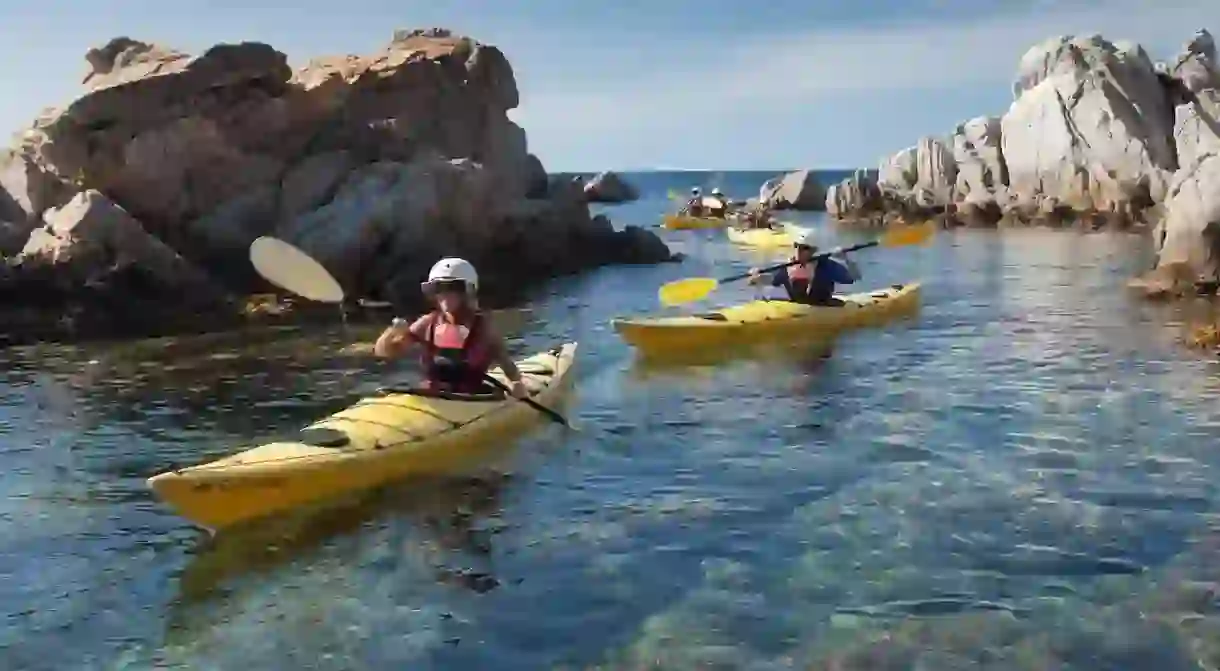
[296, 272]
[695, 288]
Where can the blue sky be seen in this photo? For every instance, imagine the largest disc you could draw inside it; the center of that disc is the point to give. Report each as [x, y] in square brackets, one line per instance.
[635, 84]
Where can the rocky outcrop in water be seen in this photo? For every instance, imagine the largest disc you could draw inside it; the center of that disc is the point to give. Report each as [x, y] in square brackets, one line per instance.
[610, 187]
[858, 195]
[1188, 235]
[1089, 131]
[981, 183]
[1097, 134]
[798, 190]
[169, 165]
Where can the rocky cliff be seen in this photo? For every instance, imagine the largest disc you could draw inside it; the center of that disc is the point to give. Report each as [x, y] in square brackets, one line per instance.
[140, 198]
[1097, 133]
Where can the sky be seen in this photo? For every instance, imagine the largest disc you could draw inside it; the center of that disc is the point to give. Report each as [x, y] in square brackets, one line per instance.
[635, 84]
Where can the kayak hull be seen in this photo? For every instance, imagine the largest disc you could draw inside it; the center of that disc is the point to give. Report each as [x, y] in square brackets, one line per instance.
[679, 222]
[379, 439]
[769, 319]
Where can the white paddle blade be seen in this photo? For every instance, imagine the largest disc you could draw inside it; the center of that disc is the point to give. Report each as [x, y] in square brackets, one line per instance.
[294, 271]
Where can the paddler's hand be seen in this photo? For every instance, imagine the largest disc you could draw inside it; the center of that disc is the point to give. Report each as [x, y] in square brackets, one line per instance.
[518, 390]
[394, 340]
[755, 276]
[401, 328]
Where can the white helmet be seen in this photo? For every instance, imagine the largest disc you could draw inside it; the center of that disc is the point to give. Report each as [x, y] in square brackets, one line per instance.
[716, 191]
[694, 190]
[806, 238]
[454, 269]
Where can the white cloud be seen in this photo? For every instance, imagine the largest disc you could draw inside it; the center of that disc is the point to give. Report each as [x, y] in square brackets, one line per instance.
[706, 78]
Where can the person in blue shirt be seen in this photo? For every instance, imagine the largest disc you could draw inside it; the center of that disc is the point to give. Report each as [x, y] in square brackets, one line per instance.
[808, 280]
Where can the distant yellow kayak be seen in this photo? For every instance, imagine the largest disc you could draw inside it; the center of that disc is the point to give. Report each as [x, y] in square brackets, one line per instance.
[685, 222]
[783, 234]
[759, 237]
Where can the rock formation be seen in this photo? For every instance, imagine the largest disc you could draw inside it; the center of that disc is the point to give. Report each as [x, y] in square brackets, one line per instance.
[610, 187]
[1096, 132]
[169, 165]
[858, 195]
[798, 190]
[1189, 232]
[1089, 130]
[981, 185]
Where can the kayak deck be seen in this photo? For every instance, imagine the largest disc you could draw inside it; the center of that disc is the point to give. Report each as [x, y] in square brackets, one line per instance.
[766, 319]
[395, 434]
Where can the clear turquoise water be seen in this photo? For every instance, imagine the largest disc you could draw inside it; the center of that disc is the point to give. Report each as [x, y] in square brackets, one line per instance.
[1023, 477]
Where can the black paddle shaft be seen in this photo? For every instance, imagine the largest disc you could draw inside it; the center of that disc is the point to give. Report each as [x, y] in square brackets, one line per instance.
[547, 412]
[785, 264]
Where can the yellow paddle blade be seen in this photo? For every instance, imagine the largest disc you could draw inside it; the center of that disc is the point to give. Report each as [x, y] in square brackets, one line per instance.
[901, 236]
[688, 290]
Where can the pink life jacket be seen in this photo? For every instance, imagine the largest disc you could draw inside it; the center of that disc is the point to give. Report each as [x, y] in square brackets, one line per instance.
[801, 286]
[456, 357]
[801, 272]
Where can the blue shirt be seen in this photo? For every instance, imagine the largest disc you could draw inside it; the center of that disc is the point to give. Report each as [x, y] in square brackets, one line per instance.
[826, 274]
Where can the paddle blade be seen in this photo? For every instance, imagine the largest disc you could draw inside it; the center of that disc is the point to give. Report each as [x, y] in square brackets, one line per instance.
[294, 271]
[688, 290]
[901, 236]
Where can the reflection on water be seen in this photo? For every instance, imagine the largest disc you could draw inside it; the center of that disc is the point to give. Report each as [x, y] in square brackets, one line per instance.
[1022, 476]
[806, 354]
[452, 515]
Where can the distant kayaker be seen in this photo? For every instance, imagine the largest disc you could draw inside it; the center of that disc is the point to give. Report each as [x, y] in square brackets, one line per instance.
[811, 281]
[721, 206]
[759, 216]
[459, 343]
[694, 206]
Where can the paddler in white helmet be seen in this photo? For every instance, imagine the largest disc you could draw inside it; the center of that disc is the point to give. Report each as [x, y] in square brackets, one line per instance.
[458, 342]
[694, 206]
[721, 206]
[808, 280]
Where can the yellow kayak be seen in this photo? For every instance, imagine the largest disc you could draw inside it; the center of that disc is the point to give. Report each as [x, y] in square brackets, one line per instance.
[684, 222]
[768, 319]
[783, 234]
[759, 237]
[379, 439]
